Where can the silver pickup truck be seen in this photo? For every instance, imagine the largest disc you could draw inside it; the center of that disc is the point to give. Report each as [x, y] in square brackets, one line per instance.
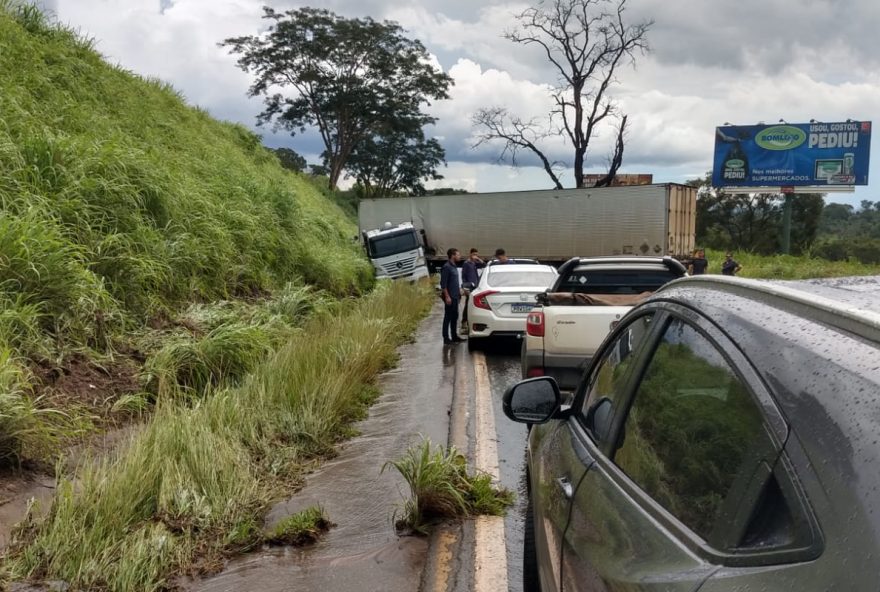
[588, 299]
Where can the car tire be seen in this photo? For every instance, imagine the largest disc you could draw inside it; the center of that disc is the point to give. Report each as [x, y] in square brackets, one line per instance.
[531, 582]
[475, 343]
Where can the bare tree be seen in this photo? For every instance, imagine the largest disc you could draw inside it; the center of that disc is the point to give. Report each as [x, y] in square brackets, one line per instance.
[586, 42]
[518, 135]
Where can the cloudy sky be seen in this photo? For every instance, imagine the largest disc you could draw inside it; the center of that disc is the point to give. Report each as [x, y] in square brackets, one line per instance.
[711, 62]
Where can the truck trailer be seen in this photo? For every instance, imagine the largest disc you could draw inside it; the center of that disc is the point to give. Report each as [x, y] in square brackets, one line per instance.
[551, 226]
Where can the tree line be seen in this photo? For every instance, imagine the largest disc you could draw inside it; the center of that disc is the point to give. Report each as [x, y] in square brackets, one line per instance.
[363, 86]
[754, 222]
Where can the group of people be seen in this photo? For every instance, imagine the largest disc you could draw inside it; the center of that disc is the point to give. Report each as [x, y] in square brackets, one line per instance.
[699, 265]
[452, 291]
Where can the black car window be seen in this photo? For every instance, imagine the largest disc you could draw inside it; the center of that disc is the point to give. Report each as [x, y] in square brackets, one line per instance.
[606, 389]
[614, 281]
[690, 430]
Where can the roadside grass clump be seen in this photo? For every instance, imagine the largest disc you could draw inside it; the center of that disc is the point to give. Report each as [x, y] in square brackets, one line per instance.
[26, 430]
[196, 480]
[790, 267]
[302, 528]
[226, 340]
[191, 365]
[441, 489]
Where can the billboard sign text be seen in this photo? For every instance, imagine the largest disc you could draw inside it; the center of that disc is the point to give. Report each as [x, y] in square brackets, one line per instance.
[793, 155]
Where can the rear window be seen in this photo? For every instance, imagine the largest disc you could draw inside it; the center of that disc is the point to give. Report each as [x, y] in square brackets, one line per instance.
[511, 279]
[615, 281]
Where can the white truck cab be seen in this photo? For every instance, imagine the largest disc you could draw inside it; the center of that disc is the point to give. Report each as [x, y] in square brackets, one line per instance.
[396, 252]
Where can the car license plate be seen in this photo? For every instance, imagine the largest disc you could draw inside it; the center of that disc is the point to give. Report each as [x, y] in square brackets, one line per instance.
[519, 307]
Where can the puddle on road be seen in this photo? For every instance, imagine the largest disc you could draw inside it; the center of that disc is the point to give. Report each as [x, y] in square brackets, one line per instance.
[362, 552]
[15, 496]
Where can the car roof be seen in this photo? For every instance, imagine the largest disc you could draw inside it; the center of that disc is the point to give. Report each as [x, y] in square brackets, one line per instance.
[851, 304]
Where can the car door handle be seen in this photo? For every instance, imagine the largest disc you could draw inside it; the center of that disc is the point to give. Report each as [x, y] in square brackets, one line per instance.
[566, 487]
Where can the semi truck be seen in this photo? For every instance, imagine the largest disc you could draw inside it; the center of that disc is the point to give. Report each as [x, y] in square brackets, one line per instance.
[551, 226]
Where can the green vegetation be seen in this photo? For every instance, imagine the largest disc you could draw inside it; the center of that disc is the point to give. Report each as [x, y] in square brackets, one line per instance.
[441, 488]
[789, 267]
[360, 82]
[301, 528]
[195, 481]
[847, 233]
[123, 210]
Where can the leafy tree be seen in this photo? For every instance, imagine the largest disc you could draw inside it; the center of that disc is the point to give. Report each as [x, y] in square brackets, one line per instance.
[349, 77]
[290, 159]
[395, 161]
[753, 222]
[586, 42]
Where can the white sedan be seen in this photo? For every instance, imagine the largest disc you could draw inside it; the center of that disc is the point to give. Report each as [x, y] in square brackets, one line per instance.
[501, 301]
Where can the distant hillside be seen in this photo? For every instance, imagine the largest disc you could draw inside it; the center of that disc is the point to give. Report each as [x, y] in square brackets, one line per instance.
[118, 202]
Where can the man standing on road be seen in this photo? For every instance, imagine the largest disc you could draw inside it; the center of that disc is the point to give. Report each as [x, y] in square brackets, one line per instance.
[699, 263]
[451, 287]
[469, 275]
[730, 266]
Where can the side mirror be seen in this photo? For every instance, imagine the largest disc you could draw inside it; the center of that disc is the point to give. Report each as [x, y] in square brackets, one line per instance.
[531, 401]
[469, 285]
[600, 417]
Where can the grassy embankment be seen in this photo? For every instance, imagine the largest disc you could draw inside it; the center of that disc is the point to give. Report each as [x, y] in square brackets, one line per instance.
[141, 240]
[120, 207]
[789, 267]
[196, 480]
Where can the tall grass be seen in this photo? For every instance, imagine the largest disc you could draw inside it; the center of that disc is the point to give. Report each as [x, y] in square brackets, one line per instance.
[789, 267]
[27, 429]
[196, 480]
[441, 488]
[120, 204]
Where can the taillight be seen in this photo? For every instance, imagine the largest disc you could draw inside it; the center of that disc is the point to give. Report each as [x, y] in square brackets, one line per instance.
[480, 299]
[535, 324]
[535, 372]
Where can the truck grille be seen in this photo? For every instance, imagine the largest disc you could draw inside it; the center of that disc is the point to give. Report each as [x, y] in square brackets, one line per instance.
[399, 268]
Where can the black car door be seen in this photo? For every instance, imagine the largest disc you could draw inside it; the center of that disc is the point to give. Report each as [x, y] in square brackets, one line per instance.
[680, 454]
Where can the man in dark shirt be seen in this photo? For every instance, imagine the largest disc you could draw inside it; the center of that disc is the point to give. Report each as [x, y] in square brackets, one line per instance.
[699, 263]
[501, 256]
[451, 288]
[469, 275]
[730, 266]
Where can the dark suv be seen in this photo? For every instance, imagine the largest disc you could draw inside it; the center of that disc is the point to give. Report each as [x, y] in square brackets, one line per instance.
[725, 437]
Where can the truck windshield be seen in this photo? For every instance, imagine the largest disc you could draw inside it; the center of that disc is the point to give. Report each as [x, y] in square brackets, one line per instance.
[616, 281]
[391, 244]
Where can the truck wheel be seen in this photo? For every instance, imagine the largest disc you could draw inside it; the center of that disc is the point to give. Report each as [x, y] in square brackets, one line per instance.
[531, 582]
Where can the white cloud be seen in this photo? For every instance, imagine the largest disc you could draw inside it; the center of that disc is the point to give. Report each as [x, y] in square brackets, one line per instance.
[740, 62]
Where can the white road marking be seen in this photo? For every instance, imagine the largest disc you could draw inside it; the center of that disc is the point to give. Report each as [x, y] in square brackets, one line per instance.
[490, 568]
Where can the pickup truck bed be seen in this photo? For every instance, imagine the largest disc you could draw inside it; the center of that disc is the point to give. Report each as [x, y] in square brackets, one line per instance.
[573, 317]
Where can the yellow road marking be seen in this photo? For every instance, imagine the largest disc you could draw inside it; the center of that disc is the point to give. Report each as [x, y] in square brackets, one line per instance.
[490, 566]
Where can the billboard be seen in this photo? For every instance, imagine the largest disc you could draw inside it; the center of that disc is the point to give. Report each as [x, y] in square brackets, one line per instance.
[792, 155]
[620, 179]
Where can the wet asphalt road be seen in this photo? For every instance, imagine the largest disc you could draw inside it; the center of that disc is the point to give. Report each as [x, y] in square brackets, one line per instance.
[363, 552]
[503, 361]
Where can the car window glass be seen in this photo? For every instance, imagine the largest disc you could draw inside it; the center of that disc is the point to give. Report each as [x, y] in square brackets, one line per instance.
[690, 429]
[608, 380]
[622, 281]
[510, 279]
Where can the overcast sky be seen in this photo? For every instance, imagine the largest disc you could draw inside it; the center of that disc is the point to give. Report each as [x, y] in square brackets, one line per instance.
[711, 62]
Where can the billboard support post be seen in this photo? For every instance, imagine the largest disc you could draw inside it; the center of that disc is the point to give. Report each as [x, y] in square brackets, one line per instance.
[786, 224]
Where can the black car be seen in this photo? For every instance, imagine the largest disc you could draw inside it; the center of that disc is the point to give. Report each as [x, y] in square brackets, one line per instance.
[725, 437]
